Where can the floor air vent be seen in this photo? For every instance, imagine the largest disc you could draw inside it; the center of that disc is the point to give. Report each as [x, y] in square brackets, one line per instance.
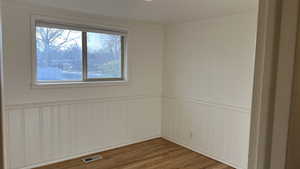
[92, 159]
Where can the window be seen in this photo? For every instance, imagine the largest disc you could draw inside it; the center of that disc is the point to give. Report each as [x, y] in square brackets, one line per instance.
[67, 53]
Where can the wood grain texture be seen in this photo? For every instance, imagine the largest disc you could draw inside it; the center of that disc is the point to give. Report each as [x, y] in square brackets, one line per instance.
[152, 154]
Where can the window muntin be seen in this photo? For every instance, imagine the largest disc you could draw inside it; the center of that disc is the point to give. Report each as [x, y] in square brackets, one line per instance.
[70, 54]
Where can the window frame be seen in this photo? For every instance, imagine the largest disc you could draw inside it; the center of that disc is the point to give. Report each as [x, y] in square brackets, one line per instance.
[84, 28]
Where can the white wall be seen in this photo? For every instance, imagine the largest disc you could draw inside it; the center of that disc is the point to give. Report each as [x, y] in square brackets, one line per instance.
[207, 85]
[145, 50]
[207, 89]
[45, 125]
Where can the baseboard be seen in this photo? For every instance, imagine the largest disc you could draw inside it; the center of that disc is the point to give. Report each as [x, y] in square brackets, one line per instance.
[126, 144]
[205, 154]
[98, 150]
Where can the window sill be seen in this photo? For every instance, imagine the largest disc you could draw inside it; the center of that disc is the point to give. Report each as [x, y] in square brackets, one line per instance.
[80, 84]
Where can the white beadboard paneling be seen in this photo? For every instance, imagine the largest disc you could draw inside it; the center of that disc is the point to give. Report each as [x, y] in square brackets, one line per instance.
[208, 80]
[139, 123]
[216, 130]
[32, 136]
[42, 133]
[16, 128]
[65, 136]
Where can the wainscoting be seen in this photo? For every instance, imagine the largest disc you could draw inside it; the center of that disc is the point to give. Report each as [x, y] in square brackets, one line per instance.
[215, 130]
[42, 133]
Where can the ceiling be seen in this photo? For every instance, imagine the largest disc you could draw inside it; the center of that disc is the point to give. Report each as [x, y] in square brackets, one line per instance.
[163, 11]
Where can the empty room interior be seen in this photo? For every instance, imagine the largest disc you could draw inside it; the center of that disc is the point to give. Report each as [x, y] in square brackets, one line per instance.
[128, 84]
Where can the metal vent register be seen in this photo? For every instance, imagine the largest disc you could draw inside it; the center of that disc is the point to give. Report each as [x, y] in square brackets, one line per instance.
[92, 159]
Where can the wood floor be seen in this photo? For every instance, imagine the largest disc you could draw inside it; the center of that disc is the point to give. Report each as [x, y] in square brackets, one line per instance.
[152, 154]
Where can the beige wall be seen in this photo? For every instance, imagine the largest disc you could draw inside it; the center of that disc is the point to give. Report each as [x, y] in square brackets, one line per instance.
[1, 92]
[293, 155]
[208, 79]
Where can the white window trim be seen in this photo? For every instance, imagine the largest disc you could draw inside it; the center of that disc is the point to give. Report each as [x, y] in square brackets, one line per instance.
[69, 23]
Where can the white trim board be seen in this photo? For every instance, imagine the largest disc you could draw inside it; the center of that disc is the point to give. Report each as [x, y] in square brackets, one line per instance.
[211, 103]
[79, 101]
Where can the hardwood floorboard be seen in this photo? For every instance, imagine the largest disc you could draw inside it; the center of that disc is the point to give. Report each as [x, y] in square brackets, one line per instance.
[153, 154]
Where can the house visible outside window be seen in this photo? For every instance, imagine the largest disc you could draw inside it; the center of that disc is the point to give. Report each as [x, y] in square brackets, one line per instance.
[66, 53]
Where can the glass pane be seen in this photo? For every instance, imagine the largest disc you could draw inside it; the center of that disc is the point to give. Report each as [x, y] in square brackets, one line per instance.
[104, 55]
[59, 54]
